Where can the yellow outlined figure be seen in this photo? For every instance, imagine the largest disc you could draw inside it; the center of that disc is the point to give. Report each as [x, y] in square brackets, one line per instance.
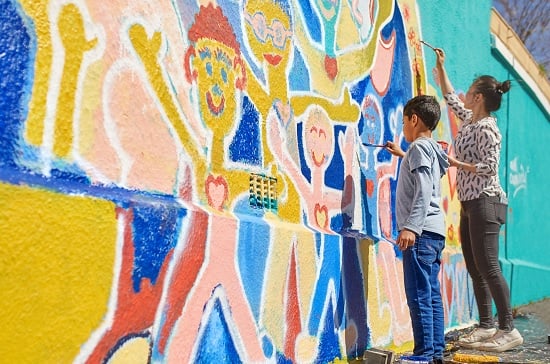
[71, 28]
[148, 48]
[75, 45]
[38, 11]
[213, 64]
[268, 28]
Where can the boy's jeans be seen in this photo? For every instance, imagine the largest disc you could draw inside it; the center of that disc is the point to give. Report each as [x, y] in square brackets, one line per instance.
[421, 263]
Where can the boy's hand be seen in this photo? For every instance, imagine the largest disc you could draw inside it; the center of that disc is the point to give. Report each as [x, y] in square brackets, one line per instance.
[394, 149]
[405, 239]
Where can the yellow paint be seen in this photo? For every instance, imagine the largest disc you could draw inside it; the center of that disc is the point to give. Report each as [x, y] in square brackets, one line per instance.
[350, 36]
[135, 351]
[148, 48]
[90, 103]
[73, 37]
[472, 358]
[351, 65]
[380, 313]
[38, 11]
[56, 257]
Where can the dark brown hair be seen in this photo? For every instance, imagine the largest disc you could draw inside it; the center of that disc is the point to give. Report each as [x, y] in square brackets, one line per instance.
[492, 91]
[426, 107]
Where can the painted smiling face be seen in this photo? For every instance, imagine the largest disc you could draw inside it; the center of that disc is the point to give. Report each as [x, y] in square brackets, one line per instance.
[213, 62]
[215, 78]
[319, 138]
[269, 32]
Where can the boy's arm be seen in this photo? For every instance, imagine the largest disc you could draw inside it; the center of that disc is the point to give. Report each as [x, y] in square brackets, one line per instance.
[421, 200]
[419, 208]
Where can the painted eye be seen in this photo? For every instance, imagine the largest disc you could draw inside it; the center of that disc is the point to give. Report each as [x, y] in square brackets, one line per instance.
[260, 26]
[209, 68]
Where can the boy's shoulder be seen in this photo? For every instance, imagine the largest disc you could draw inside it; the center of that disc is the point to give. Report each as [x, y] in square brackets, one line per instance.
[423, 143]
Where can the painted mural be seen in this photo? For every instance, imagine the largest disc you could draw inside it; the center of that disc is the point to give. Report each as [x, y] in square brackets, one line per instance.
[191, 181]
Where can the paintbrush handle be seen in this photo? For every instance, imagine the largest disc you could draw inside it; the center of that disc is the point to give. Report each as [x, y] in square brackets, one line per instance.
[428, 45]
[374, 145]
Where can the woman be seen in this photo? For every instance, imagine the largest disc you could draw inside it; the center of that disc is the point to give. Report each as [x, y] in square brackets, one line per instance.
[483, 206]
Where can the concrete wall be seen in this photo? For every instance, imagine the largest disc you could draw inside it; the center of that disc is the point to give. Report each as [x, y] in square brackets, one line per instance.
[187, 181]
[524, 121]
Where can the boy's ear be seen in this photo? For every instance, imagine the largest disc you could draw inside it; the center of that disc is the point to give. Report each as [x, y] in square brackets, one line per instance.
[414, 119]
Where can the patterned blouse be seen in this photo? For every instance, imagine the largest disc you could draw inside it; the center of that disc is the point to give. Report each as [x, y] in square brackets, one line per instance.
[476, 143]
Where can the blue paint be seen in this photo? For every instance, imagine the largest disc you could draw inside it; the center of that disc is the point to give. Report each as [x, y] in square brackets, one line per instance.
[70, 176]
[246, 145]
[312, 22]
[281, 359]
[215, 345]
[329, 347]
[334, 174]
[155, 232]
[252, 250]
[298, 78]
[121, 196]
[306, 172]
[267, 346]
[17, 54]
[354, 287]
[329, 272]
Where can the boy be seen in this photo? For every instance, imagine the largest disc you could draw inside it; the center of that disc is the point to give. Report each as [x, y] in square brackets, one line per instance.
[421, 223]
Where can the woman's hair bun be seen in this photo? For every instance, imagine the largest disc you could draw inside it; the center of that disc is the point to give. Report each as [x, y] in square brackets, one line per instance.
[503, 87]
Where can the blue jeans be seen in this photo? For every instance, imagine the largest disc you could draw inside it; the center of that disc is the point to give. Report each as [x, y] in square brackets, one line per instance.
[421, 264]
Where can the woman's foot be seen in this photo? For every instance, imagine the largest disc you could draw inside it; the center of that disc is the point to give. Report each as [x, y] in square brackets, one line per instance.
[502, 341]
[474, 339]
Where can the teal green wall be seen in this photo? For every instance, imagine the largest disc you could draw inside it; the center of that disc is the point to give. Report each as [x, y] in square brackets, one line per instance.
[526, 130]
[525, 127]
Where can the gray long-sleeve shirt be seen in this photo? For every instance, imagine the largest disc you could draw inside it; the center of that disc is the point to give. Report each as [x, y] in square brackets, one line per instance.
[418, 200]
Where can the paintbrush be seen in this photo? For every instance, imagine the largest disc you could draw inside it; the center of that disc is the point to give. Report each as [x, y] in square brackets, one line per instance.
[374, 145]
[428, 45]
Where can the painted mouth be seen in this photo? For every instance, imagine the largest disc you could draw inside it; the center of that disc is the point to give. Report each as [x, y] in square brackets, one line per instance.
[273, 59]
[215, 109]
[317, 162]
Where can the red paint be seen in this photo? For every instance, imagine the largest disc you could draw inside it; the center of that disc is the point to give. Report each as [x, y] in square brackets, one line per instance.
[273, 59]
[292, 313]
[370, 187]
[321, 211]
[216, 190]
[135, 311]
[185, 273]
[331, 67]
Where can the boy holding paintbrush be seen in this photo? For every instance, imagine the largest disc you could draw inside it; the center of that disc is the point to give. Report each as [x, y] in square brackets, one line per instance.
[421, 223]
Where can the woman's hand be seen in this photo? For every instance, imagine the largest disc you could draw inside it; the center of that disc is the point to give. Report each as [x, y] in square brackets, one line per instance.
[455, 162]
[461, 165]
[394, 149]
[440, 57]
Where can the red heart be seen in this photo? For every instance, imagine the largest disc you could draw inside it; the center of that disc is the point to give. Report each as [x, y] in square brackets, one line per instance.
[216, 191]
[321, 216]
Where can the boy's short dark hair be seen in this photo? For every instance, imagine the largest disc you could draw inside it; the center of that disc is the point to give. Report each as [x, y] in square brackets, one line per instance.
[426, 108]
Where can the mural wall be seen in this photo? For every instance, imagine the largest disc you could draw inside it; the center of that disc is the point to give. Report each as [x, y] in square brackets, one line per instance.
[191, 181]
